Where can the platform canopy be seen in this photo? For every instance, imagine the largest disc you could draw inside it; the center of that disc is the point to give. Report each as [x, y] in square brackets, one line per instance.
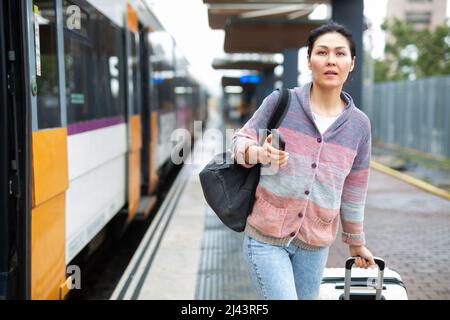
[224, 64]
[271, 26]
[264, 26]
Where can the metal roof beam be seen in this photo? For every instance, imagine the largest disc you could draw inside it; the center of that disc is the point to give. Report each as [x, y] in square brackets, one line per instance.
[276, 10]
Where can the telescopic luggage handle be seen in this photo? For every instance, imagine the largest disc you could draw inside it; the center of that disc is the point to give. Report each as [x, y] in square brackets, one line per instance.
[348, 276]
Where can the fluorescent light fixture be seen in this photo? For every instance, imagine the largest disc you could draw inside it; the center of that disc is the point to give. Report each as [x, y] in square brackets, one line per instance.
[182, 90]
[320, 12]
[233, 89]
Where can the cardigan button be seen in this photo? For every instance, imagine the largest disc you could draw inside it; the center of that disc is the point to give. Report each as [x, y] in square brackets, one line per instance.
[306, 192]
[300, 215]
[319, 140]
[314, 165]
[292, 234]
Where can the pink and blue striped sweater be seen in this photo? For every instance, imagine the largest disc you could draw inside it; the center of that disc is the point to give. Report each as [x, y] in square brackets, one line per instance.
[324, 182]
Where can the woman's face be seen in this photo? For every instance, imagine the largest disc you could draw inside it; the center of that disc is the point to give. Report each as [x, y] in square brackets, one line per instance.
[331, 60]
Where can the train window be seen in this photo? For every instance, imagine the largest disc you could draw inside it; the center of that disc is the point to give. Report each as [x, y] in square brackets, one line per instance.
[77, 62]
[165, 94]
[94, 69]
[151, 81]
[49, 112]
[134, 56]
[108, 54]
[163, 73]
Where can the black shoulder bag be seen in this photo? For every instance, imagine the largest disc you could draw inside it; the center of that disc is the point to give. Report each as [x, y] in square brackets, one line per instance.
[228, 187]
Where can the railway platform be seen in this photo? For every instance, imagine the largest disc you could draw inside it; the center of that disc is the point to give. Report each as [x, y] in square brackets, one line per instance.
[188, 254]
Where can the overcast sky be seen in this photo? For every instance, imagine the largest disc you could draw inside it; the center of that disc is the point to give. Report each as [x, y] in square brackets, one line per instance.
[187, 21]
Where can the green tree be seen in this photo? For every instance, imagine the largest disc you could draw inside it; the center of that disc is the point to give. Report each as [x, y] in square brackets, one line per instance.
[381, 70]
[413, 54]
[434, 57]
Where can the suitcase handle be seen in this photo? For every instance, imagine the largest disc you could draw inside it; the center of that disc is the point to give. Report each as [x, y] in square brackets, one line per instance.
[350, 261]
[348, 276]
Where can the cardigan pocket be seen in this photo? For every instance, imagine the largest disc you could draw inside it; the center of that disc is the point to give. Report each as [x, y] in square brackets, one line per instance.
[323, 222]
[267, 218]
[321, 230]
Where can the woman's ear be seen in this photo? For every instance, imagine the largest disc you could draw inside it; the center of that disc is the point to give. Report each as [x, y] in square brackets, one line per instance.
[309, 62]
[353, 64]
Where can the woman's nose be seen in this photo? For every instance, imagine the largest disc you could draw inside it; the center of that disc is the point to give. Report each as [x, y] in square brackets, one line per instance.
[331, 60]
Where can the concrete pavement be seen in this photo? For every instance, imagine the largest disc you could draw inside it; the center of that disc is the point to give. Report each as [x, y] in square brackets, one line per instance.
[410, 229]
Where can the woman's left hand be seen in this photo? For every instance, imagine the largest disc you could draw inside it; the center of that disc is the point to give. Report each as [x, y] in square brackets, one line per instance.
[365, 257]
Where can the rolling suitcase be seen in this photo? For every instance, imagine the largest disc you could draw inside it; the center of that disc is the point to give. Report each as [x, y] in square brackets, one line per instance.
[362, 284]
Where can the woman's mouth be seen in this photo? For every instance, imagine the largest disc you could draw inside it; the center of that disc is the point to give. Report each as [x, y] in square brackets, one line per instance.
[331, 73]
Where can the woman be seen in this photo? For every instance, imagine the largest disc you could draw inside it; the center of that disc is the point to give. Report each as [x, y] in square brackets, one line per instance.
[322, 175]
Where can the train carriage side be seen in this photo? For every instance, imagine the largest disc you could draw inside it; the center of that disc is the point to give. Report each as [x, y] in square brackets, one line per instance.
[104, 95]
[89, 148]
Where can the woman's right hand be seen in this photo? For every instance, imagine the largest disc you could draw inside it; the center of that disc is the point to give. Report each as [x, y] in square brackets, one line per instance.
[267, 154]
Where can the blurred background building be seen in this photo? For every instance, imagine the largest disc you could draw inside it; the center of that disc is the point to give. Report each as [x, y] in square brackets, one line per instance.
[421, 13]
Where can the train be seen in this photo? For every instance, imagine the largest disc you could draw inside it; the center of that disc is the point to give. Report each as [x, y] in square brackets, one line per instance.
[91, 92]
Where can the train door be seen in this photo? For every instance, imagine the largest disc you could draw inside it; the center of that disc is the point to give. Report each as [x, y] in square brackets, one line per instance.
[6, 226]
[49, 148]
[134, 112]
[148, 152]
[153, 109]
[18, 96]
[144, 55]
[4, 163]
[15, 141]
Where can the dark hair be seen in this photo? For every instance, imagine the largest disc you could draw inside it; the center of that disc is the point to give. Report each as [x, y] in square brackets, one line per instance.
[327, 28]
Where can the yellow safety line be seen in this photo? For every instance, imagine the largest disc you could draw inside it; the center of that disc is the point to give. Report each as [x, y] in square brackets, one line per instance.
[412, 151]
[411, 180]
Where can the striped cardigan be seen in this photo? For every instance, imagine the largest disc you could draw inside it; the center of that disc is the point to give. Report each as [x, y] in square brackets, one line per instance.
[325, 180]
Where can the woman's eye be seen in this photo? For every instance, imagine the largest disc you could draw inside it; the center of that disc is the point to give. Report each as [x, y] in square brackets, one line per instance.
[341, 53]
[321, 52]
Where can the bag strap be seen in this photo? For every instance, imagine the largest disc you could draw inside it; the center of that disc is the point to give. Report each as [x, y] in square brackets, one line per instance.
[280, 110]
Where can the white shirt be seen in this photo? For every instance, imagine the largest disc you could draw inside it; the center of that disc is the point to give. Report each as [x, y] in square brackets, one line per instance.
[323, 123]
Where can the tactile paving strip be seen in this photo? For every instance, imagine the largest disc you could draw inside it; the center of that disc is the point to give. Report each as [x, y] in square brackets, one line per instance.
[222, 273]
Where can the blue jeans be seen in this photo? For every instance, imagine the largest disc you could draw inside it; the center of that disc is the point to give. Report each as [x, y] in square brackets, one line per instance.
[284, 273]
